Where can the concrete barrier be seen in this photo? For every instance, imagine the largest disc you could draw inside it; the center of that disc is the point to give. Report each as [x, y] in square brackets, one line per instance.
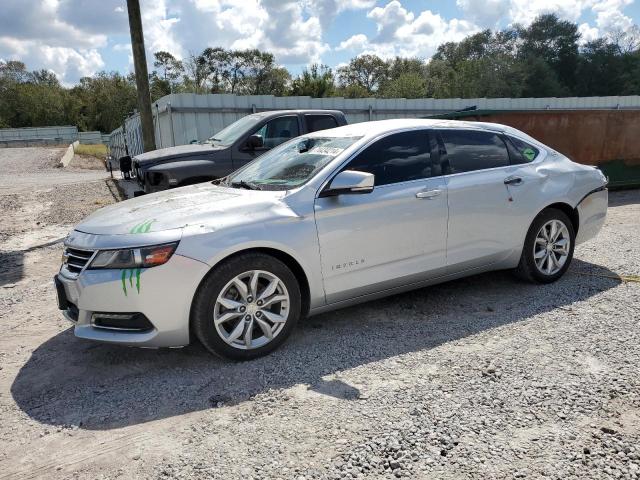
[68, 155]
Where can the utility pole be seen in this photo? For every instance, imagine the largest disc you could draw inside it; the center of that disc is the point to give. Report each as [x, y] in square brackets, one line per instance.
[142, 76]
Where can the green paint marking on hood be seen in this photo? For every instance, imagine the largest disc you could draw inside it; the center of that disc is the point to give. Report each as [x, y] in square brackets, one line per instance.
[143, 227]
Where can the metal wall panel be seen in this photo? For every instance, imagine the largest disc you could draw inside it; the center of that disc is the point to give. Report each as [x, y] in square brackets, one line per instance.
[182, 118]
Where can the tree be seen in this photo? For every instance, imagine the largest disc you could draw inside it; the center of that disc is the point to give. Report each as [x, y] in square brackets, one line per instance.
[105, 100]
[405, 85]
[601, 69]
[556, 43]
[365, 71]
[317, 81]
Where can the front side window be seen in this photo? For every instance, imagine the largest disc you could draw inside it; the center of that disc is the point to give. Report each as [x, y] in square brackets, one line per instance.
[278, 131]
[399, 157]
[526, 153]
[320, 122]
[470, 150]
[292, 164]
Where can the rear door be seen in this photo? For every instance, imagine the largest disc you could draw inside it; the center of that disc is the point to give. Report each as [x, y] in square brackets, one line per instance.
[273, 132]
[396, 234]
[482, 221]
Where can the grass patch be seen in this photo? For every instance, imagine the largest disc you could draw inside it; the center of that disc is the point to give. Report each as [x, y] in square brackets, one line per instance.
[99, 150]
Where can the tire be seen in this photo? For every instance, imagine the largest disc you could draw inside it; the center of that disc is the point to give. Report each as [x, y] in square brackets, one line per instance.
[529, 268]
[221, 305]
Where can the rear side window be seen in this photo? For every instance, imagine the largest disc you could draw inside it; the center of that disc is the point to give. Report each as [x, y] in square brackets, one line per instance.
[469, 150]
[320, 122]
[400, 157]
[526, 153]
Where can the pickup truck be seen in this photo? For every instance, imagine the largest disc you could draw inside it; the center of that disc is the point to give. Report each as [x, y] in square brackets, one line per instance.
[229, 149]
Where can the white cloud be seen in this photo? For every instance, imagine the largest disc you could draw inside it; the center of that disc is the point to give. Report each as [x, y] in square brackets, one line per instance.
[400, 32]
[67, 63]
[587, 33]
[53, 35]
[609, 16]
[357, 42]
[487, 13]
[491, 13]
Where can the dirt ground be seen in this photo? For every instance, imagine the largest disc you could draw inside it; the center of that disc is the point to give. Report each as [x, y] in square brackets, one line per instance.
[485, 377]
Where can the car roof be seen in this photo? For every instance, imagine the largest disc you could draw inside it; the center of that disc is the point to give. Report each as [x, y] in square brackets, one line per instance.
[372, 129]
[267, 113]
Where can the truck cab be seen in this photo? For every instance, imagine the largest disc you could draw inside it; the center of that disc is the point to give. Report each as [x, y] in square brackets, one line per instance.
[229, 149]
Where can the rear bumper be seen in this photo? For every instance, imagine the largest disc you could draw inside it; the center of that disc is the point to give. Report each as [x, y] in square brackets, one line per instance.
[592, 212]
[162, 294]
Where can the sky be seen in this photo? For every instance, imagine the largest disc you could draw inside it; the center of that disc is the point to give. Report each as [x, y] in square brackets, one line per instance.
[76, 38]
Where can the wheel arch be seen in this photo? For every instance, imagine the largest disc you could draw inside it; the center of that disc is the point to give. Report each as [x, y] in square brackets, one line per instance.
[567, 209]
[287, 259]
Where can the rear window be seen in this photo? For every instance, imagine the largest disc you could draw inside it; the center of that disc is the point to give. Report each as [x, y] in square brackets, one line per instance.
[320, 122]
[528, 153]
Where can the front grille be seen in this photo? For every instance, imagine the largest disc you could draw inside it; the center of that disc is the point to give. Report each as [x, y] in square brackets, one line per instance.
[76, 259]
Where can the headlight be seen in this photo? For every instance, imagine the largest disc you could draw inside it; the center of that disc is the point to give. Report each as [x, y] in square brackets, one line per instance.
[143, 257]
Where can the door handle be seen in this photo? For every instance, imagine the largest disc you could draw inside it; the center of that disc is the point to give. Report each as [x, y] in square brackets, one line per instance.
[513, 181]
[428, 194]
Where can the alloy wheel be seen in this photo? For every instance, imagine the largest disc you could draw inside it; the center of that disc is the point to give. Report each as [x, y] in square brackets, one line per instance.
[251, 309]
[551, 247]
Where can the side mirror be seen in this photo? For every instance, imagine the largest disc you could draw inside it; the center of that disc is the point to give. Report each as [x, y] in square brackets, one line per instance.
[350, 182]
[255, 141]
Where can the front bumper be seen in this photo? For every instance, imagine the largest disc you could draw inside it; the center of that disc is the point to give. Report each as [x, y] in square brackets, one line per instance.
[162, 294]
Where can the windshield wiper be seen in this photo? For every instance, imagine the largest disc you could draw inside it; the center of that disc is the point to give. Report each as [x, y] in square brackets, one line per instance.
[247, 185]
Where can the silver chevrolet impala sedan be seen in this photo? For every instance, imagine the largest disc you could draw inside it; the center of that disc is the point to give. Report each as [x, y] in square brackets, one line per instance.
[323, 221]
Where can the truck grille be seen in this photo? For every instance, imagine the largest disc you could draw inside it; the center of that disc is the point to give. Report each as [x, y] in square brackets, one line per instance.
[75, 259]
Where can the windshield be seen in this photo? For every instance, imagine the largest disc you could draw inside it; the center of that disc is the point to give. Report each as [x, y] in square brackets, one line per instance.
[291, 164]
[231, 133]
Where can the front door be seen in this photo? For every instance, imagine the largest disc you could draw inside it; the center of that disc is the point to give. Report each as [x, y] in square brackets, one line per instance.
[393, 236]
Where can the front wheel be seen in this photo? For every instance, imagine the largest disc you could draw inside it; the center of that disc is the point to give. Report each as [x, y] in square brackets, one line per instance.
[246, 307]
[548, 247]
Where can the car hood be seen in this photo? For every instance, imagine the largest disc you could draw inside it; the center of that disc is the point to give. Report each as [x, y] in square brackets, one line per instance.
[204, 205]
[164, 154]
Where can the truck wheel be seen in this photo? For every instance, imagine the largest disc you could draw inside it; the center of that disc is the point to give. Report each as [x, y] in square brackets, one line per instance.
[246, 307]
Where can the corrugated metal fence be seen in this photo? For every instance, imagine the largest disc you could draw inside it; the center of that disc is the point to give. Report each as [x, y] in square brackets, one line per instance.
[183, 118]
[63, 135]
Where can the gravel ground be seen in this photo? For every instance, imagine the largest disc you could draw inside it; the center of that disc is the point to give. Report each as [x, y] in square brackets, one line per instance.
[23, 169]
[485, 377]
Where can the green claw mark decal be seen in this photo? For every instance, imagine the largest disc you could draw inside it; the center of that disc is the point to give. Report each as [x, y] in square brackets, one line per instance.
[529, 153]
[143, 227]
[131, 272]
[124, 282]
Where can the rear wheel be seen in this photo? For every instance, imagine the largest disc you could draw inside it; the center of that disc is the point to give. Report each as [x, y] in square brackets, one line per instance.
[548, 247]
[246, 307]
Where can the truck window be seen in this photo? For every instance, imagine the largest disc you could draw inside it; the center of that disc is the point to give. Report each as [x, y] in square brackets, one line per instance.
[279, 130]
[320, 122]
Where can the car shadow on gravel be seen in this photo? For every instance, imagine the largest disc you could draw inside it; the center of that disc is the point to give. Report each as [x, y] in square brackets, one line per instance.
[11, 267]
[68, 381]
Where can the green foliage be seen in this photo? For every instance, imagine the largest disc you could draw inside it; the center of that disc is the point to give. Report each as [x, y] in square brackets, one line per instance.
[544, 59]
[316, 81]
